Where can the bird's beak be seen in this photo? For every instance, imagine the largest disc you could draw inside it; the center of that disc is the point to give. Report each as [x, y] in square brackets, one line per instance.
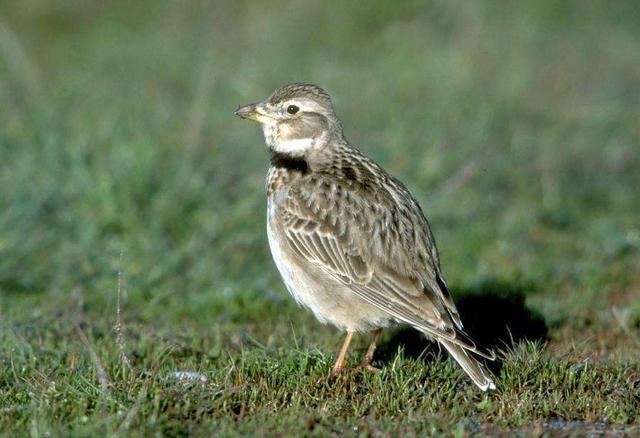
[254, 111]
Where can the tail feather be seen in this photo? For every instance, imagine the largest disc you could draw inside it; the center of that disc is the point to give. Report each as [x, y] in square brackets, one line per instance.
[463, 341]
[470, 365]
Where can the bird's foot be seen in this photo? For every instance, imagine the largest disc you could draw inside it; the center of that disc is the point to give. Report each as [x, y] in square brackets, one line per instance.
[368, 367]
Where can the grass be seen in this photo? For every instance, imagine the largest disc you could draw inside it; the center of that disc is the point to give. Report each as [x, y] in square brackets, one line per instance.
[124, 177]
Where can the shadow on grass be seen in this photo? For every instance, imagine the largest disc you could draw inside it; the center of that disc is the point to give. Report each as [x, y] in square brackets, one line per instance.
[494, 315]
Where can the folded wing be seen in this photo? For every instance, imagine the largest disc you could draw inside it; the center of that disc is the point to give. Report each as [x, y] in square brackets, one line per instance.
[340, 240]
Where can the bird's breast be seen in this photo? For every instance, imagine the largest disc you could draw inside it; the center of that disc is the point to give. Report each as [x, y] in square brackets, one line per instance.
[329, 300]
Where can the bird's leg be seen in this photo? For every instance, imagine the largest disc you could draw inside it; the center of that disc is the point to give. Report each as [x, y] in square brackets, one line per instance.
[337, 367]
[368, 357]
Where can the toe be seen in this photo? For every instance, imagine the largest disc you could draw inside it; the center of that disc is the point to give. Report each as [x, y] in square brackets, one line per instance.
[369, 367]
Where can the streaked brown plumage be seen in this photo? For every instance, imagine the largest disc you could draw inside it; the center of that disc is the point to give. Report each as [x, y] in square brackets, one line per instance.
[349, 240]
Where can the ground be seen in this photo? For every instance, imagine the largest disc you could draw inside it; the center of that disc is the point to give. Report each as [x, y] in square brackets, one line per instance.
[137, 294]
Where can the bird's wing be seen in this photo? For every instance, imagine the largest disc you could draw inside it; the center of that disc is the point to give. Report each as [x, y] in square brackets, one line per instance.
[342, 238]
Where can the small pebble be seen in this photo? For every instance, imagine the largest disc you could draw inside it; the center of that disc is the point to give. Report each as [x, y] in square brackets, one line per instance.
[187, 375]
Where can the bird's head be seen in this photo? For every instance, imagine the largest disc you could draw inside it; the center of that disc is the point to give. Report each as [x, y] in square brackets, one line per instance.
[296, 119]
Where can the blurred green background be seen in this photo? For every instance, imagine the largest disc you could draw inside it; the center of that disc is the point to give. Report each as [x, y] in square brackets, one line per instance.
[515, 124]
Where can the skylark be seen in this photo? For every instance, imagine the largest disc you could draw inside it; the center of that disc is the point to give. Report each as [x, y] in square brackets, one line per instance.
[349, 240]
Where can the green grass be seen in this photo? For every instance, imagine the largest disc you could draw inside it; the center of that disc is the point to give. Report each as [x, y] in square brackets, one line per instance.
[515, 124]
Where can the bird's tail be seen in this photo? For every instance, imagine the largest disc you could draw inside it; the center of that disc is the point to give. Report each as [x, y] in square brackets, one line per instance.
[470, 365]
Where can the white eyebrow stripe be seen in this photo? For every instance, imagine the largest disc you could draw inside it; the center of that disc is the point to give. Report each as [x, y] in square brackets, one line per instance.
[303, 104]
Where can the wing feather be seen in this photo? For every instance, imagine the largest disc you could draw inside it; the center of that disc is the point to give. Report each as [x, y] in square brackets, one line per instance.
[325, 242]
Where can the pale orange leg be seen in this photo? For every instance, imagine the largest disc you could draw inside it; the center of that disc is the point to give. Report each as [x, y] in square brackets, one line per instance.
[368, 357]
[337, 367]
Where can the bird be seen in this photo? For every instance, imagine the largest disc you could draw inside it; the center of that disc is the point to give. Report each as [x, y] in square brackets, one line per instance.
[349, 240]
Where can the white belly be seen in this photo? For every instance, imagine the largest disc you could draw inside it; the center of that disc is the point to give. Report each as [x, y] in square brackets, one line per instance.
[290, 273]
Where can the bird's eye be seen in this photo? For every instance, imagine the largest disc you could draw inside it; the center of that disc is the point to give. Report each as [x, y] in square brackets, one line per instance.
[292, 109]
